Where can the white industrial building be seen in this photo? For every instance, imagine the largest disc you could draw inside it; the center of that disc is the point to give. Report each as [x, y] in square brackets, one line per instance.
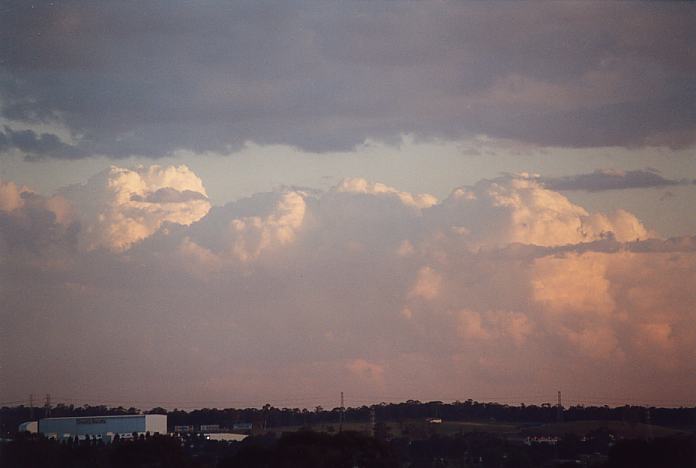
[29, 426]
[103, 427]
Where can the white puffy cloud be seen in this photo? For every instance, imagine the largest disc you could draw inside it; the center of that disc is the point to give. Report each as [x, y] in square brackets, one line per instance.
[253, 234]
[120, 207]
[518, 209]
[358, 185]
[243, 231]
[621, 225]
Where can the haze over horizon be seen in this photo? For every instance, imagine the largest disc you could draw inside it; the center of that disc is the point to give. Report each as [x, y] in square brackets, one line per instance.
[403, 200]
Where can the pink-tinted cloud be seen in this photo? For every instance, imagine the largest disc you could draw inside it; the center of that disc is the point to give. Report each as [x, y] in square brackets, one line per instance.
[505, 284]
[427, 285]
[518, 209]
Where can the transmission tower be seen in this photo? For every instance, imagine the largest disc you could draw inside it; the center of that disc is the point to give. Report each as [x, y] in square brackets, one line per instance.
[48, 405]
[373, 421]
[559, 409]
[343, 409]
[648, 423]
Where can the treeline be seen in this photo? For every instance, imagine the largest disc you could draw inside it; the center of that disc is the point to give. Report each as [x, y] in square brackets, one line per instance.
[308, 449]
[36, 451]
[269, 416]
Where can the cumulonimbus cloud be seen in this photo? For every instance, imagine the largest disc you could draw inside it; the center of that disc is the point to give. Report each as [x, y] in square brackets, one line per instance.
[503, 283]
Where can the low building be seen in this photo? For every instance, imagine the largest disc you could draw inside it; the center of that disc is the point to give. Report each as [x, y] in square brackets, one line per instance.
[29, 426]
[226, 436]
[103, 427]
[546, 440]
[210, 427]
[242, 426]
[183, 429]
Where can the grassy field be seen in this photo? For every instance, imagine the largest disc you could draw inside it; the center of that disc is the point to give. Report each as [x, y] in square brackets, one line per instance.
[620, 428]
[414, 427]
[456, 427]
[421, 428]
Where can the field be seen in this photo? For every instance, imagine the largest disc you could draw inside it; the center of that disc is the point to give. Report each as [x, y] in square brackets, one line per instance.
[422, 428]
[620, 428]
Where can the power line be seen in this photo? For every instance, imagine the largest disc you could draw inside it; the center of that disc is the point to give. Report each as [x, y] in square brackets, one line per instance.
[194, 402]
[14, 402]
[360, 400]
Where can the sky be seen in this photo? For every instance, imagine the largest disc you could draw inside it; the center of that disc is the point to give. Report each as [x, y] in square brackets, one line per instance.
[228, 204]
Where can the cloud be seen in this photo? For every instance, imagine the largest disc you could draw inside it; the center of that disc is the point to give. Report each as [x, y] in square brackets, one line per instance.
[246, 229]
[150, 80]
[366, 371]
[518, 209]
[252, 235]
[169, 195]
[33, 224]
[427, 284]
[120, 207]
[607, 179]
[318, 292]
[11, 196]
[38, 146]
[494, 325]
[357, 185]
[572, 284]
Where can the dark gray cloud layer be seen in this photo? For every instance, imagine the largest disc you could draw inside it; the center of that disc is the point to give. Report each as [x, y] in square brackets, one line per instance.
[151, 78]
[601, 180]
[37, 146]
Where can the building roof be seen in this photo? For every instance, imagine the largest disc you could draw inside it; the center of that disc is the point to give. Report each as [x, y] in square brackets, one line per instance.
[105, 417]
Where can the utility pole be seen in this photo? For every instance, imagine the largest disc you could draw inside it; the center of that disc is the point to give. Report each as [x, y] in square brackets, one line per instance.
[48, 405]
[559, 409]
[373, 421]
[343, 409]
[31, 406]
